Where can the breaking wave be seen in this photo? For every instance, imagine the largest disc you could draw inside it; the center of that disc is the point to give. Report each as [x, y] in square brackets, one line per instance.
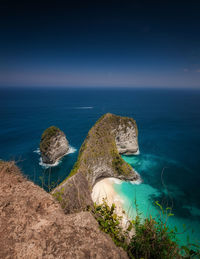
[46, 166]
[84, 107]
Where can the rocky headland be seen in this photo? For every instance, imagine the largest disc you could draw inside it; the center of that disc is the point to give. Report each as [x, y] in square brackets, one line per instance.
[53, 145]
[99, 157]
[33, 224]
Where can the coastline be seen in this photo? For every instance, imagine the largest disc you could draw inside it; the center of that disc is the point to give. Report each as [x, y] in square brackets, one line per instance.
[104, 189]
[58, 161]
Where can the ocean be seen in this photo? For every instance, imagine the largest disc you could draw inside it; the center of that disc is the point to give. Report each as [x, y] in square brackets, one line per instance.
[169, 140]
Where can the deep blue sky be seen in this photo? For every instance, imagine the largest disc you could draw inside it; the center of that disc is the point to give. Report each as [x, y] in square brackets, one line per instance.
[100, 43]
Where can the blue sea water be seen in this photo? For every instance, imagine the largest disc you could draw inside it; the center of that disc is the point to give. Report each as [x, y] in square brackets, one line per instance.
[169, 140]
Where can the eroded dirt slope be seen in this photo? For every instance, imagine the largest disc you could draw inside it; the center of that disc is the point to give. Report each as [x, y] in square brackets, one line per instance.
[33, 225]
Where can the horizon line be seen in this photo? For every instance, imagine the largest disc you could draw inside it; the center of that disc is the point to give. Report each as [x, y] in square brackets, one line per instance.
[100, 87]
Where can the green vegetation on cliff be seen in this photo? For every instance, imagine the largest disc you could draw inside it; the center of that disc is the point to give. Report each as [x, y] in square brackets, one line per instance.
[98, 158]
[46, 137]
[99, 149]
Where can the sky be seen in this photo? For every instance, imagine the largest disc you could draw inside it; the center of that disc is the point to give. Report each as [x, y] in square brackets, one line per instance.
[100, 43]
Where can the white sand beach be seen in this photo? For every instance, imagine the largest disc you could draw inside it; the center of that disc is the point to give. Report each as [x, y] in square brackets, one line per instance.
[104, 190]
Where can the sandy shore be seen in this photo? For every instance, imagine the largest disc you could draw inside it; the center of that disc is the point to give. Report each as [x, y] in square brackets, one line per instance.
[104, 189]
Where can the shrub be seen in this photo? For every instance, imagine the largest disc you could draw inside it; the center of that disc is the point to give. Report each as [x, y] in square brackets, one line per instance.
[152, 239]
[109, 222]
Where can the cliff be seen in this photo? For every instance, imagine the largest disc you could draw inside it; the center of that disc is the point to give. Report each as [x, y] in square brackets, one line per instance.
[33, 225]
[53, 145]
[99, 157]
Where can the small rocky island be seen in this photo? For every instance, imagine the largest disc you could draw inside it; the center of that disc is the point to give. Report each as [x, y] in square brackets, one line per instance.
[99, 157]
[53, 145]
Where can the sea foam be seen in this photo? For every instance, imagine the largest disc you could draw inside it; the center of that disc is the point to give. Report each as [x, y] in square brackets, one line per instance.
[37, 151]
[138, 181]
[115, 180]
[137, 152]
[44, 165]
[84, 107]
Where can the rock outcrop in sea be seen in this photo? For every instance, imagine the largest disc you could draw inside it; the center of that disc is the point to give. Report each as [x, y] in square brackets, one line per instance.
[99, 157]
[33, 224]
[53, 145]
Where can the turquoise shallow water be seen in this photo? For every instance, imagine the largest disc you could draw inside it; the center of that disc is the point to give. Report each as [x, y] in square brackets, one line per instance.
[145, 195]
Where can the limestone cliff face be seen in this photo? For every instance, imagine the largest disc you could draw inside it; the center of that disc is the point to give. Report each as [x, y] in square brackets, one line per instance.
[99, 157]
[126, 138]
[53, 145]
[33, 225]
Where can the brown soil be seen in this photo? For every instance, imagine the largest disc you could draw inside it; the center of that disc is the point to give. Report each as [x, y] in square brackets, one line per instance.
[33, 225]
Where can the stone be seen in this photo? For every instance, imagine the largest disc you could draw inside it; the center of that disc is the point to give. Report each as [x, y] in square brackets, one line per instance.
[33, 224]
[126, 139]
[99, 157]
[53, 145]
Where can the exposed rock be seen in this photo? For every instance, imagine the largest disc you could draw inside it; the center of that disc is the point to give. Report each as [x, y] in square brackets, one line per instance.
[126, 138]
[99, 158]
[53, 145]
[33, 225]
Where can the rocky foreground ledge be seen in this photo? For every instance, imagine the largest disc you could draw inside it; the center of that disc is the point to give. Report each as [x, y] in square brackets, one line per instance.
[33, 225]
[99, 157]
[53, 145]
